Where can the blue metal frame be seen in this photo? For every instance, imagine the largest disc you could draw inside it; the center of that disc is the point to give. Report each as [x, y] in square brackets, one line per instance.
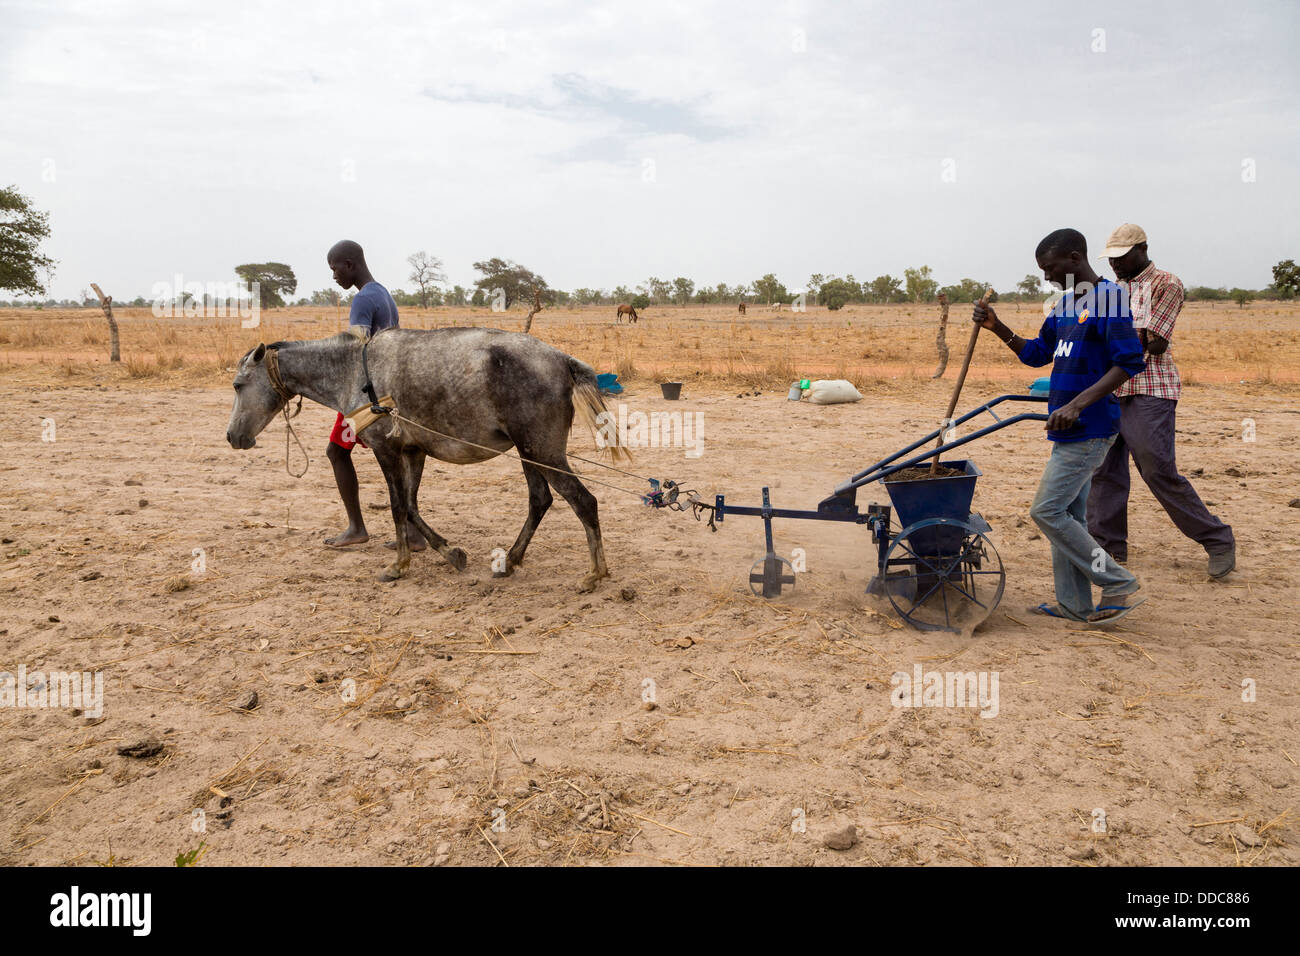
[841, 506]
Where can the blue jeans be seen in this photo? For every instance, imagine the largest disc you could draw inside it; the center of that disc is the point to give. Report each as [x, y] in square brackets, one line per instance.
[1060, 511]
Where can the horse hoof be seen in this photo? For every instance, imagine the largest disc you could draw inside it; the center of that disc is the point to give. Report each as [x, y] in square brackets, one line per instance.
[588, 584]
[386, 576]
[457, 559]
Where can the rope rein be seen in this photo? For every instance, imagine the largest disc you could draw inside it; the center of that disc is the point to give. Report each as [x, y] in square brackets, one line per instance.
[667, 497]
[277, 382]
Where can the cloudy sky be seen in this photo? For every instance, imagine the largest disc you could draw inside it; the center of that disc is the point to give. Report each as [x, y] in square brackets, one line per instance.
[599, 144]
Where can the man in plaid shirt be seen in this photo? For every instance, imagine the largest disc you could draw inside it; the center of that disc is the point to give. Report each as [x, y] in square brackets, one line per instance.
[1148, 402]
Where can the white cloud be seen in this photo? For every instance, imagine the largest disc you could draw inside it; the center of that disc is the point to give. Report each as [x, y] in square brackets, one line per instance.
[194, 138]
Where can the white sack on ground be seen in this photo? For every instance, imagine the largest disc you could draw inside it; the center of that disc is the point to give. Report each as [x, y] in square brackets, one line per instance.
[833, 392]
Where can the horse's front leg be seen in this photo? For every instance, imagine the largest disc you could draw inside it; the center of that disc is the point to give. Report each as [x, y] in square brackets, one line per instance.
[398, 497]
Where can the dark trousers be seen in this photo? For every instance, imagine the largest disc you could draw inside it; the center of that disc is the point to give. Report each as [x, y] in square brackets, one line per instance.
[1146, 431]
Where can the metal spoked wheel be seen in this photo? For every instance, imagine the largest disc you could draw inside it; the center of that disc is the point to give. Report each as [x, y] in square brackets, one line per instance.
[943, 575]
[769, 575]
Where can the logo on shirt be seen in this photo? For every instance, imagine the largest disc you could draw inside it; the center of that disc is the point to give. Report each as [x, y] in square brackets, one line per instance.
[1083, 317]
[1063, 348]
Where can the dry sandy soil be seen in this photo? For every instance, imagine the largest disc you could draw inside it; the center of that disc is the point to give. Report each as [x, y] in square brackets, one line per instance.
[503, 720]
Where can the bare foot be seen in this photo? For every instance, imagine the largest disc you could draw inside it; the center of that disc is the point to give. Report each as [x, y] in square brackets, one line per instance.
[347, 539]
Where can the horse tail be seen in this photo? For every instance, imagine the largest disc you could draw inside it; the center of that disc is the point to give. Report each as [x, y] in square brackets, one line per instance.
[590, 409]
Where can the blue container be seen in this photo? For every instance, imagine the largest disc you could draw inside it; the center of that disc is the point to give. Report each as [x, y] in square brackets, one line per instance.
[1041, 386]
[923, 498]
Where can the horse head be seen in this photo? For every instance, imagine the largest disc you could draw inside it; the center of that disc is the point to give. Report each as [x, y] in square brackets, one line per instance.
[258, 398]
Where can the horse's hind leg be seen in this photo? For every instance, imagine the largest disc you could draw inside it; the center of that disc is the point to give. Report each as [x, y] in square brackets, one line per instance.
[539, 500]
[413, 471]
[583, 503]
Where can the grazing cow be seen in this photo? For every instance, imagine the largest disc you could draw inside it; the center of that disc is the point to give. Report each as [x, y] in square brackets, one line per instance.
[477, 392]
[742, 308]
[625, 310]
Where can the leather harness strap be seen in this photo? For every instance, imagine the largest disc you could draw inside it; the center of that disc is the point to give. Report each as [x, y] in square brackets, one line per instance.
[273, 373]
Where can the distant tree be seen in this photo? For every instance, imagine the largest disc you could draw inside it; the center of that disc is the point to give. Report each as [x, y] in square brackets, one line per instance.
[657, 289]
[885, 289]
[769, 289]
[426, 270]
[921, 286]
[515, 281]
[1205, 293]
[271, 278]
[1286, 278]
[327, 297]
[22, 227]
[859, 288]
[968, 290]
[814, 285]
[640, 302]
[1029, 287]
[1242, 297]
[682, 290]
[837, 293]
[478, 298]
[621, 294]
[457, 296]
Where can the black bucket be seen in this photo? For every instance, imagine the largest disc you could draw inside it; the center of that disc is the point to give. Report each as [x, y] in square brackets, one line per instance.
[672, 390]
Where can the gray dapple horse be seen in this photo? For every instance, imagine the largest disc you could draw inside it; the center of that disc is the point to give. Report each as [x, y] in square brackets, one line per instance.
[495, 389]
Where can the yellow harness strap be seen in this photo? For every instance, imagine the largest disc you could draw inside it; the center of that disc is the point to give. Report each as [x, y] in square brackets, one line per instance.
[362, 418]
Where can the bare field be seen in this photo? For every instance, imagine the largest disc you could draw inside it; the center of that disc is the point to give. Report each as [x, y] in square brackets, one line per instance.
[1217, 343]
[503, 720]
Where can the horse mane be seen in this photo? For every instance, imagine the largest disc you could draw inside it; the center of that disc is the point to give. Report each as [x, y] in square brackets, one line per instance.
[337, 338]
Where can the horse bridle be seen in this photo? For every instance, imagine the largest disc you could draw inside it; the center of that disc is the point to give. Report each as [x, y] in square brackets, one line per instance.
[272, 360]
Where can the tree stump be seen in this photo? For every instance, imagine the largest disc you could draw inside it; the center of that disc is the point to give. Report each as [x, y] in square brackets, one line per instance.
[106, 303]
[537, 307]
[941, 340]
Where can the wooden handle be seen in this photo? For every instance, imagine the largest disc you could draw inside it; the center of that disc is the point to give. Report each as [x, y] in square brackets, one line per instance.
[961, 379]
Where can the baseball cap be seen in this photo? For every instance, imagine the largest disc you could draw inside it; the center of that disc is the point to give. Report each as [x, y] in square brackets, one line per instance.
[1122, 240]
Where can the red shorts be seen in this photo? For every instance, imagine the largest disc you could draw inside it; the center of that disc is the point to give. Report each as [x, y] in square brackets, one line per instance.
[340, 429]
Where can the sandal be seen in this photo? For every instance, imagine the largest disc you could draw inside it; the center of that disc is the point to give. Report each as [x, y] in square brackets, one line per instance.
[1110, 613]
[1054, 610]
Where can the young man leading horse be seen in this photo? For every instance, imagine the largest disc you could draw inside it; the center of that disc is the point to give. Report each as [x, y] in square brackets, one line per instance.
[372, 311]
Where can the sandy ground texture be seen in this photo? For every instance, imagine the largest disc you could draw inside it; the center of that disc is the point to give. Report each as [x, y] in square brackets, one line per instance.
[460, 719]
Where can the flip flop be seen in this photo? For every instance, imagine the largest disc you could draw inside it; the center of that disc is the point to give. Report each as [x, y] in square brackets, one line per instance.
[1053, 610]
[1122, 611]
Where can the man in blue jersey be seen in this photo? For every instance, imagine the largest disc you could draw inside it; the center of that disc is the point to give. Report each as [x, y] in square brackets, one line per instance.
[372, 311]
[1089, 339]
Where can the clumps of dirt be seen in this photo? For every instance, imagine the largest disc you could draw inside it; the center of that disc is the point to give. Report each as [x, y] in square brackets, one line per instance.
[142, 750]
[923, 473]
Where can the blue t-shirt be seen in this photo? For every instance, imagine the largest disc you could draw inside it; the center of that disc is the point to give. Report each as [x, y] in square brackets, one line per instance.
[373, 309]
[1083, 337]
